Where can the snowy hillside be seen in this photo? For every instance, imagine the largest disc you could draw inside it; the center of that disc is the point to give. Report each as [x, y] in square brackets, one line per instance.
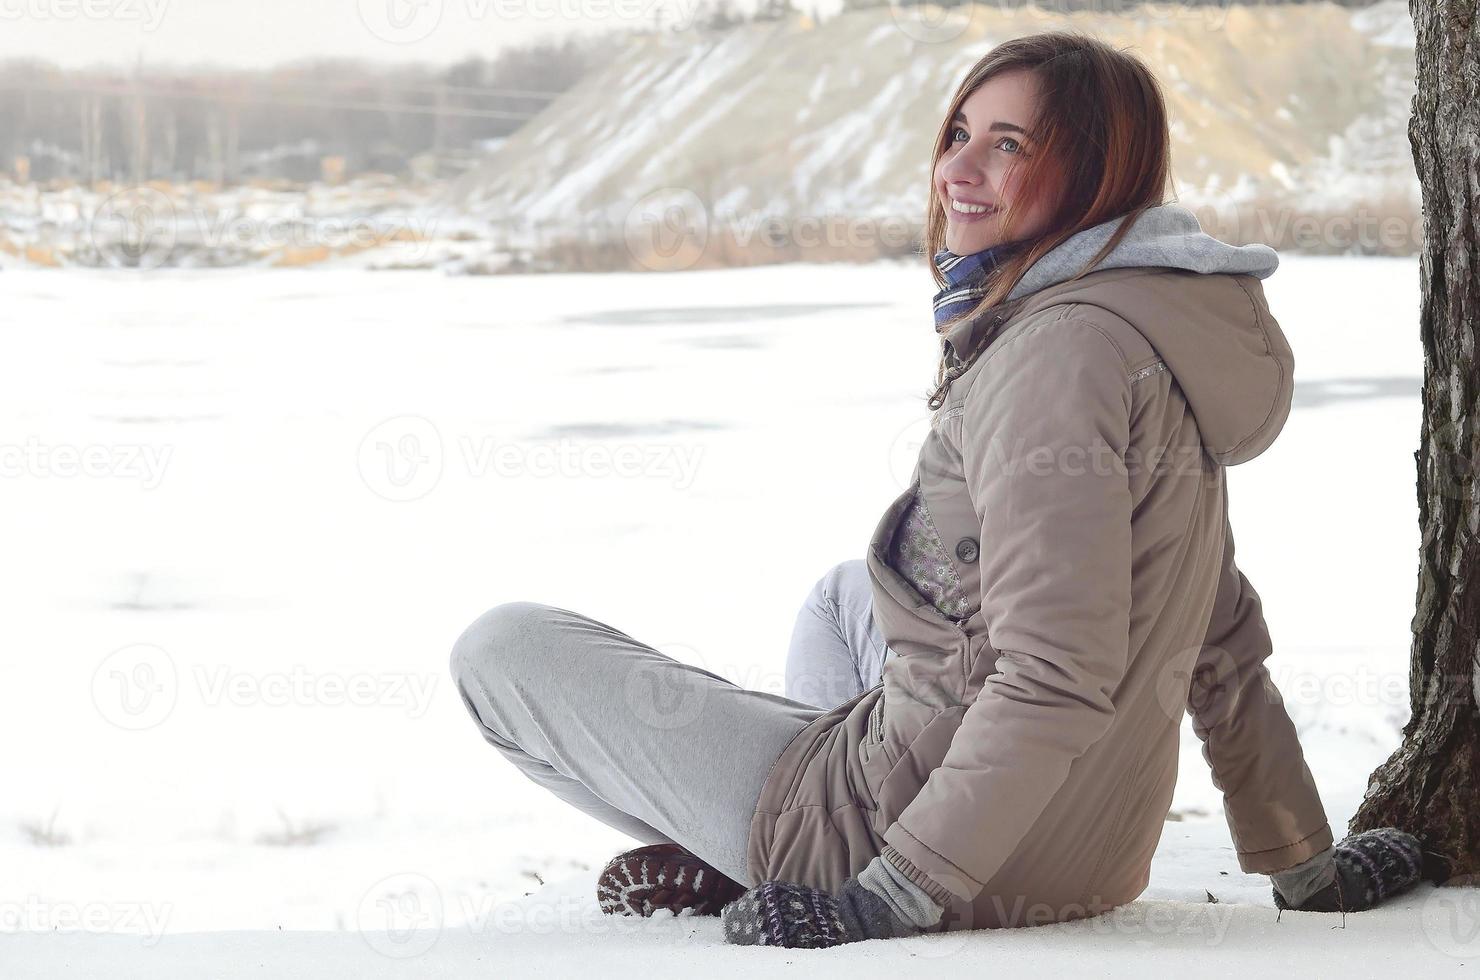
[792, 140]
[1298, 106]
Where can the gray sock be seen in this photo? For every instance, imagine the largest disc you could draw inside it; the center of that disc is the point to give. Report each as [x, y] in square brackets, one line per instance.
[908, 900]
[1298, 883]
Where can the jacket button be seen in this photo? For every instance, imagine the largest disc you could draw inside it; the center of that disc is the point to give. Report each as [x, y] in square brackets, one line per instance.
[966, 550]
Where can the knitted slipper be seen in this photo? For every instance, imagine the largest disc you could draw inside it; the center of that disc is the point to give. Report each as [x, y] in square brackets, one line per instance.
[663, 876]
[780, 913]
[1370, 867]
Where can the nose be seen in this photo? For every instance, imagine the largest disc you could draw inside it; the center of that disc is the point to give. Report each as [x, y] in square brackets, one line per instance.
[964, 168]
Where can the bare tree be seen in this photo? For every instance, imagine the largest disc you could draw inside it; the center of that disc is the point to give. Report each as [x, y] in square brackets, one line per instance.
[1429, 785]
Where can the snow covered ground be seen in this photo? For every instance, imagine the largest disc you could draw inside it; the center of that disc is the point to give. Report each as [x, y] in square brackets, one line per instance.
[248, 512]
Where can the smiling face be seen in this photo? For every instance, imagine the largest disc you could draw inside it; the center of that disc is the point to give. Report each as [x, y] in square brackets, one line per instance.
[980, 172]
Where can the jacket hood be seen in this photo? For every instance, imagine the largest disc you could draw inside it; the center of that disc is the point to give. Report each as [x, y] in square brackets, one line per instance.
[1200, 304]
[1166, 236]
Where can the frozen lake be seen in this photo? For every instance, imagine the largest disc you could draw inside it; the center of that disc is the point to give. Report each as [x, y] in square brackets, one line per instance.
[248, 512]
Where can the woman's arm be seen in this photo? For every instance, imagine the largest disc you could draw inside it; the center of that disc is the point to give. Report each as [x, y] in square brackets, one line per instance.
[1269, 796]
[1045, 430]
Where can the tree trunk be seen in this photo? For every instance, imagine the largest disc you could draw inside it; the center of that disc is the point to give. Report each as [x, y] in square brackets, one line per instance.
[1430, 786]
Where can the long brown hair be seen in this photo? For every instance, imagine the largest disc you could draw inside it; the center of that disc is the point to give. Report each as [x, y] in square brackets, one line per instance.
[1101, 137]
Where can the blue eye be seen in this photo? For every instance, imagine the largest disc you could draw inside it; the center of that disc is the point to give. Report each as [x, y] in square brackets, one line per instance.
[1007, 144]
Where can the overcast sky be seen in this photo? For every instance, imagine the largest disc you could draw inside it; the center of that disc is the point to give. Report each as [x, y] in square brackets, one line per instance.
[255, 33]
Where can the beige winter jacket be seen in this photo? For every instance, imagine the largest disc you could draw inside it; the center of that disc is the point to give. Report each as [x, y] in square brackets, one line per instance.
[1018, 764]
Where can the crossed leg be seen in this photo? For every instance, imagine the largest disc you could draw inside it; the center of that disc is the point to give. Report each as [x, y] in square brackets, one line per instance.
[656, 748]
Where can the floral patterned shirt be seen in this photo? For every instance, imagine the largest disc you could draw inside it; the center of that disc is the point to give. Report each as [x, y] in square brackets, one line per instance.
[917, 554]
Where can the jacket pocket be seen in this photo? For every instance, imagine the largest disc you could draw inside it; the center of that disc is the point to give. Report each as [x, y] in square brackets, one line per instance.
[904, 776]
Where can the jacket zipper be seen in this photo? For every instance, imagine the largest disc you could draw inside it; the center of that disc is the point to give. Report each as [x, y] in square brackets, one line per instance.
[876, 720]
[960, 625]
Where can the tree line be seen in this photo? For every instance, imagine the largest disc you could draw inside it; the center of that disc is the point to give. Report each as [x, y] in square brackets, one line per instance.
[229, 126]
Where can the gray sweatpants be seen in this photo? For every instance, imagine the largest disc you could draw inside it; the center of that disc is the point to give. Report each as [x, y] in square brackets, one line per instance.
[659, 749]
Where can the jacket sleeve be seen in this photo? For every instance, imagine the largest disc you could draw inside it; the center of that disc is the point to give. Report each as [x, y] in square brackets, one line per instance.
[1270, 800]
[1045, 428]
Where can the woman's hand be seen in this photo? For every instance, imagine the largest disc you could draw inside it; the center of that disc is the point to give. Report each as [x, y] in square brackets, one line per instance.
[1368, 868]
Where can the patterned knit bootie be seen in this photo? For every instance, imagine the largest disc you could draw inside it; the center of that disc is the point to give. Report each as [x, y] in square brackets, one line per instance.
[780, 913]
[663, 876]
[1370, 867]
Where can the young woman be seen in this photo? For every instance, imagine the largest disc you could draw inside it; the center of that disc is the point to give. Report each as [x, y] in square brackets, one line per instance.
[983, 727]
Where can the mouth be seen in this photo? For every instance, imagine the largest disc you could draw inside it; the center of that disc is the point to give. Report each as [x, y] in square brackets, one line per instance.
[967, 211]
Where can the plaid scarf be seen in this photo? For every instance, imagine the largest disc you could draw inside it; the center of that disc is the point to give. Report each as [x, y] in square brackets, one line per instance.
[965, 280]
